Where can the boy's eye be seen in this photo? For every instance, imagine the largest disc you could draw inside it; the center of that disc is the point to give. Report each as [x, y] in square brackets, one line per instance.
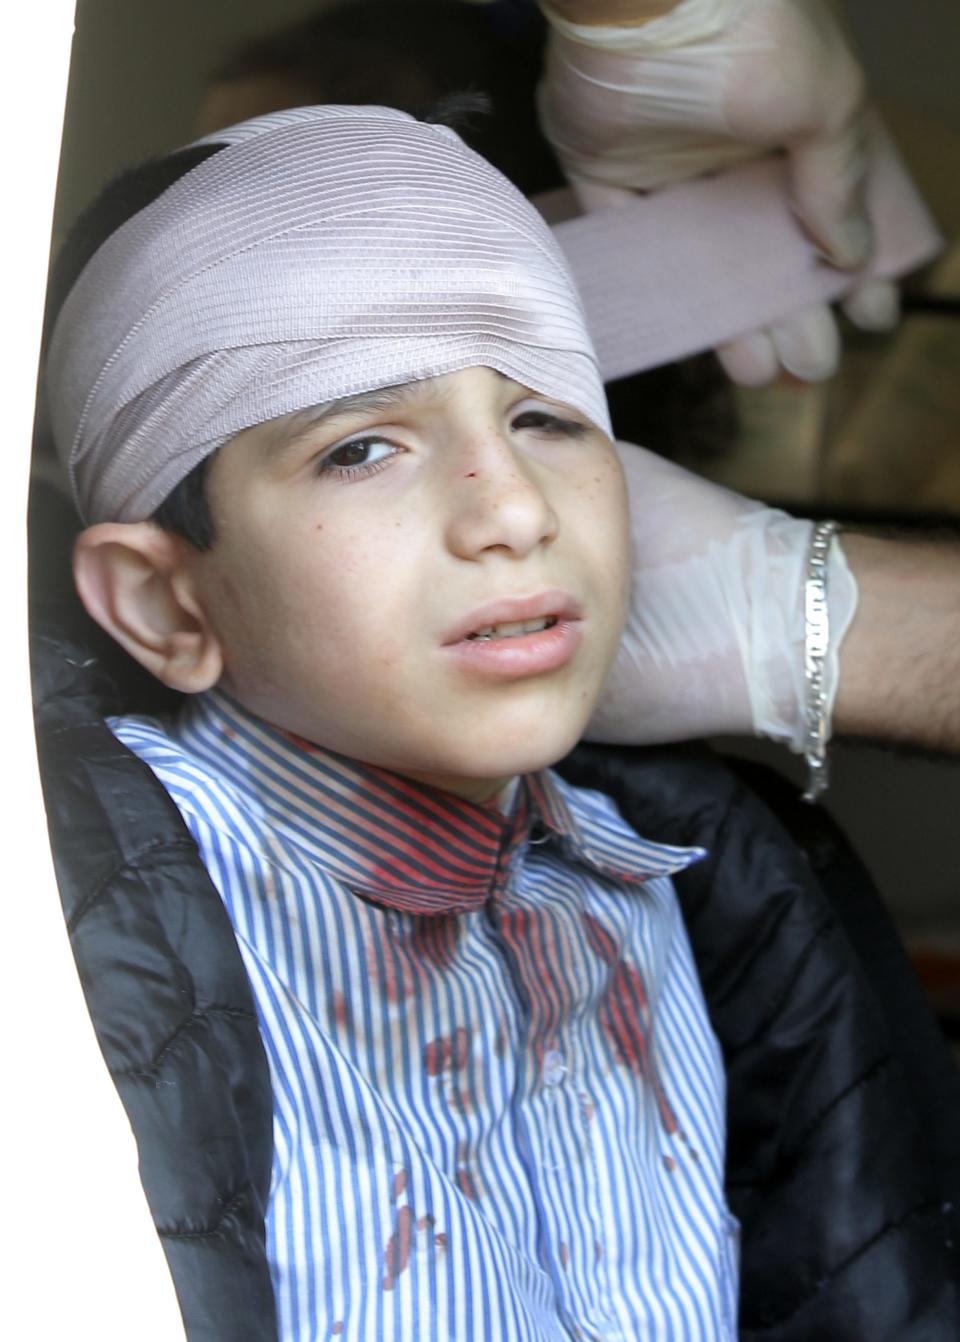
[547, 421]
[356, 456]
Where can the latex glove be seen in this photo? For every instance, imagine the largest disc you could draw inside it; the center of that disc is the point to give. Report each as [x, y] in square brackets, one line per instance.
[714, 640]
[709, 84]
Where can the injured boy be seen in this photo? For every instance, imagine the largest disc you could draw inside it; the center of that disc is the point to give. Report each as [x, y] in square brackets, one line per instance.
[334, 423]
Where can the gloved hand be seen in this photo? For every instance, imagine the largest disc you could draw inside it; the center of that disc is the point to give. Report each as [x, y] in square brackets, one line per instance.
[714, 640]
[707, 85]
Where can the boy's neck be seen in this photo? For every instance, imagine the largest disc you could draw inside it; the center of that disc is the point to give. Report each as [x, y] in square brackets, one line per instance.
[491, 794]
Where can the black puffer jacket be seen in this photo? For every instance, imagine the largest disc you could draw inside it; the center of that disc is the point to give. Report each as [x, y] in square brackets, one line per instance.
[843, 1105]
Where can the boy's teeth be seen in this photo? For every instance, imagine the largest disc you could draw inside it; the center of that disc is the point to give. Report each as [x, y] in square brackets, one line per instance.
[515, 628]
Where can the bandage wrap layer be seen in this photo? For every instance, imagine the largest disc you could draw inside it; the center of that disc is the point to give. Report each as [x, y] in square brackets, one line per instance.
[324, 252]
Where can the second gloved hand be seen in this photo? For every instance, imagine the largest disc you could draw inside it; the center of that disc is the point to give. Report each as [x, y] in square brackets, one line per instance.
[709, 84]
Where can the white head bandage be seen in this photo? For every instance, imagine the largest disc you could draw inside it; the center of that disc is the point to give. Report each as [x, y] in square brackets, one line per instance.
[326, 251]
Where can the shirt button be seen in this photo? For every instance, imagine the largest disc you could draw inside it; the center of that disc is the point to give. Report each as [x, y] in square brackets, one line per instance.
[554, 1068]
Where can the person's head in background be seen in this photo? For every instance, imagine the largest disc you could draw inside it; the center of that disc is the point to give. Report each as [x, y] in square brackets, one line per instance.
[329, 406]
[408, 54]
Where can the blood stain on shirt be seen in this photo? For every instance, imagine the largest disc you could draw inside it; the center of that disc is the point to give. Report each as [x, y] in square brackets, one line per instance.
[433, 940]
[448, 1053]
[564, 1254]
[669, 1164]
[426, 1222]
[440, 1240]
[460, 1100]
[394, 971]
[399, 1184]
[396, 1256]
[337, 1328]
[341, 1011]
[625, 1017]
[599, 939]
[466, 1185]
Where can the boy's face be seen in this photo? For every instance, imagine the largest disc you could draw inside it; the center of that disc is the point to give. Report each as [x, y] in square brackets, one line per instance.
[360, 551]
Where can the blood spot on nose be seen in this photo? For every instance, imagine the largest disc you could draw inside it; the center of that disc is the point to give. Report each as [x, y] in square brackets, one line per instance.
[470, 475]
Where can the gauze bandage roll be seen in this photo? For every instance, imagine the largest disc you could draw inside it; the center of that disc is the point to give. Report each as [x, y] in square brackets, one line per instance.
[326, 251]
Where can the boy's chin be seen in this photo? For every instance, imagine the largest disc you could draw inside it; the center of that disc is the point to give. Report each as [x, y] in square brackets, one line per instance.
[481, 777]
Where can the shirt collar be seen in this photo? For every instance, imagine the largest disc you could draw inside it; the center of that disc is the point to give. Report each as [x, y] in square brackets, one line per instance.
[398, 843]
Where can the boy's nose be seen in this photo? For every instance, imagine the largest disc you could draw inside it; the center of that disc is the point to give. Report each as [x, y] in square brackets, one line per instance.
[496, 502]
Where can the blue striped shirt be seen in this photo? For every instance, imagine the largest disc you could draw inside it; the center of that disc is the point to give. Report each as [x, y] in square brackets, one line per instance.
[498, 1103]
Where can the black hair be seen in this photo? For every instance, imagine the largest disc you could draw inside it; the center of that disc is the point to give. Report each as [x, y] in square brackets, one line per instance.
[186, 509]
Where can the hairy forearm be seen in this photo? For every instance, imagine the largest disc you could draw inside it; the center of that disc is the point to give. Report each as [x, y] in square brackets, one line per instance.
[900, 661]
[610, 11]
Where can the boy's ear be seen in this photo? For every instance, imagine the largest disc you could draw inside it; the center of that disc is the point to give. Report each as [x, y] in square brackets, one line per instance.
[135, 580]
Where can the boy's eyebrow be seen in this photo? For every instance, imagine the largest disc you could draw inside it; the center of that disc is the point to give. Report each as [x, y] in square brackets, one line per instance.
[293, 428]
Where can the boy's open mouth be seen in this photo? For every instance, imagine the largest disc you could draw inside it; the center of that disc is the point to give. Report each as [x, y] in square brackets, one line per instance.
[513, 629]
[516, 619]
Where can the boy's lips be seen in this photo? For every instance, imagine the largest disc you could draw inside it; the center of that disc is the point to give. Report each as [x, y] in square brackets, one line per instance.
[478, 645]
[554, 605]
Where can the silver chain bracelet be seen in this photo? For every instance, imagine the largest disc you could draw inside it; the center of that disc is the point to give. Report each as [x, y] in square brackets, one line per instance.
[816, 643]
